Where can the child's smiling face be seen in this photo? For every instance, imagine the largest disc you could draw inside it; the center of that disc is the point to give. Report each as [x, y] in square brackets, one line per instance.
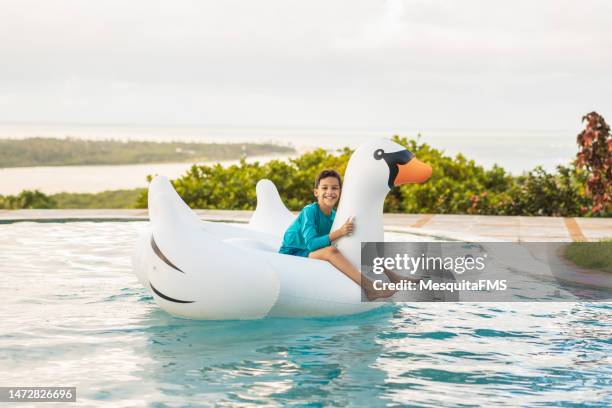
[328, 192]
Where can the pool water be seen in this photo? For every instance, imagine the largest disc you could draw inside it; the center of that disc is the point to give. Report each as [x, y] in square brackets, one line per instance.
[73, 314]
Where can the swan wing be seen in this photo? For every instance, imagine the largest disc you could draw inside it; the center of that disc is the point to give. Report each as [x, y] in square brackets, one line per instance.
[271, 215]
[210, 279]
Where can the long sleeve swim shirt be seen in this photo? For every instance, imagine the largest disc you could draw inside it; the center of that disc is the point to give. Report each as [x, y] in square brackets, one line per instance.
[309, 231]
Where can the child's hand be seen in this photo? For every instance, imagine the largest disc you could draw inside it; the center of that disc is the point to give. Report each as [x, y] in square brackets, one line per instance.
[348, 227]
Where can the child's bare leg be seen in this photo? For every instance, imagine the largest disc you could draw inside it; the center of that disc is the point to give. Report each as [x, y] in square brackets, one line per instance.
[335, 257]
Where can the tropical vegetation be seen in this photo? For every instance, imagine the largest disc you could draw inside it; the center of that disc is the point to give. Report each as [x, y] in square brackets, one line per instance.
[457, 185]
[28, 199]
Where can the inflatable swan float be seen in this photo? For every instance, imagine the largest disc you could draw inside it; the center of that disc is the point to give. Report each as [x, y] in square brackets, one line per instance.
[214, 271]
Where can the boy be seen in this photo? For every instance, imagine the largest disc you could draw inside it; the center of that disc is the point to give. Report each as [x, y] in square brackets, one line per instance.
[310, 234]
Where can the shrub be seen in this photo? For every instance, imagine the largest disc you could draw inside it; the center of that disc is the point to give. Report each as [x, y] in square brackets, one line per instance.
[27, 199]
[541, 193]
[595, 156]
[457, 185]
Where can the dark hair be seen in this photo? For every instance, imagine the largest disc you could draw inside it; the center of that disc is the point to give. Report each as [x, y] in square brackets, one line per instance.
[325, 174]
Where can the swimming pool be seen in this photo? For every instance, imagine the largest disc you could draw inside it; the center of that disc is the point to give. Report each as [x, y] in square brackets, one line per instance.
[73, 314]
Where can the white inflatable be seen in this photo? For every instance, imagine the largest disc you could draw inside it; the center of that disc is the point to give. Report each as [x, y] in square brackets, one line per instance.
[212, 271]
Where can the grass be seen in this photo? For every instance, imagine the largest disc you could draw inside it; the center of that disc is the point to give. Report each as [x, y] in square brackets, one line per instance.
[592, 255]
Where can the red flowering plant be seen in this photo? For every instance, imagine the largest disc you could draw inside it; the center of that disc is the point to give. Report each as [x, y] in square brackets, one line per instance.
[595, 156]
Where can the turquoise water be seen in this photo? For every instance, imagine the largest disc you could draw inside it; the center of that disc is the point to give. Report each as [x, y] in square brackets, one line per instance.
[73, 314]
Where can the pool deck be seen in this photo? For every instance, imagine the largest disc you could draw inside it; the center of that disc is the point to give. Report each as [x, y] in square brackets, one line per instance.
[461, 227]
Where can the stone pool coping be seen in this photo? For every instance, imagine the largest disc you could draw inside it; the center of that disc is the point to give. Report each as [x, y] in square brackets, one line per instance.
[460, 227]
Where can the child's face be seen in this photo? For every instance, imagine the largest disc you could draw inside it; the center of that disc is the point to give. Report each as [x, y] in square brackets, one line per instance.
[328, 191]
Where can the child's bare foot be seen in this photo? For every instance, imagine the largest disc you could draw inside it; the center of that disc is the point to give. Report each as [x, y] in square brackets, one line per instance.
[373, 294]
[395, 278]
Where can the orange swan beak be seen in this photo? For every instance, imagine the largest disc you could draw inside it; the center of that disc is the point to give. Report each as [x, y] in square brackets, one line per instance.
[415, 171]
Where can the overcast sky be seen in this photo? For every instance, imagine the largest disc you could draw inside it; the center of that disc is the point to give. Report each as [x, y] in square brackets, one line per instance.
[322, 64]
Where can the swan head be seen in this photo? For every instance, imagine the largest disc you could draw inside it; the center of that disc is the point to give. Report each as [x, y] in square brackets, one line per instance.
[379, 165]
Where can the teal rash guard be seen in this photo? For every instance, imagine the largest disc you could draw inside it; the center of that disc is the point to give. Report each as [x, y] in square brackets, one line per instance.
[309, 231]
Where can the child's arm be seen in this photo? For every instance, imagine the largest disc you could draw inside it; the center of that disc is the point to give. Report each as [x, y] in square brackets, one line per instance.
[309, 232]
[314, 242]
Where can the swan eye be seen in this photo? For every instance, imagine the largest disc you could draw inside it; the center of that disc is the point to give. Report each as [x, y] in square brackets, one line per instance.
[378, 154]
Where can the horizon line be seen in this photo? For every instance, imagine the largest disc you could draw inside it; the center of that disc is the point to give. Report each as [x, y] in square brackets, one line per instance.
[283, 127]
